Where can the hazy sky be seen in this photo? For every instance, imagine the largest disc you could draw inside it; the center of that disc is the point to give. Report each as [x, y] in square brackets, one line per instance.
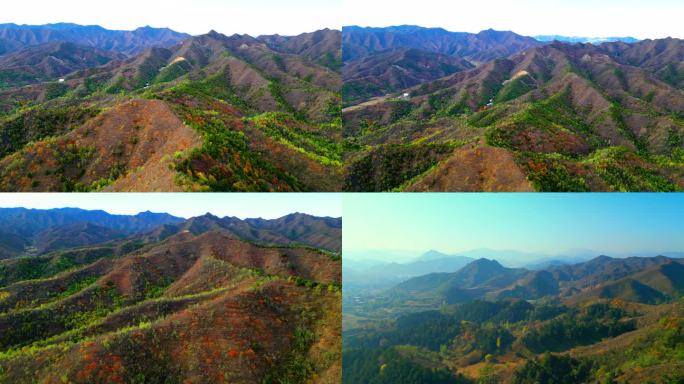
[242, 205]
[253, 17]
[637, 18]
[545, 223]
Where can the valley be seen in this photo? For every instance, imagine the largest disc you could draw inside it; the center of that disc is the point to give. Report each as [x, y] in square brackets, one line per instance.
[605, 320]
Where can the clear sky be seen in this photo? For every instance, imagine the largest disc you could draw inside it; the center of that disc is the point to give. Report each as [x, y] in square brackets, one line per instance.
[252, 17]
[589, 18]
[542, 223]
[242, 205]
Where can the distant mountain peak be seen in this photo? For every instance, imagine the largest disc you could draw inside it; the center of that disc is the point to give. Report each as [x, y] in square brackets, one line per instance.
[208, 215]
[148, 214]
[485, 261]
[489, 31]
[432, 255]
[481, 269]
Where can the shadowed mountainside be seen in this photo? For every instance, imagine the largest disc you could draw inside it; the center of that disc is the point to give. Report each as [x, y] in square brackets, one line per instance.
[379, 61]
[481, 47]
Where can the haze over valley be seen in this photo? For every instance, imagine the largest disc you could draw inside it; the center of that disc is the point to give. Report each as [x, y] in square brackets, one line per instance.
[504, 316]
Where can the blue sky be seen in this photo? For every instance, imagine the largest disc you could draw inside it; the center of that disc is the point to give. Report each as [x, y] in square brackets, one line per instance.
[545, 223]
[638, 18]
[242, 205]
[253, 17]
[593, 18]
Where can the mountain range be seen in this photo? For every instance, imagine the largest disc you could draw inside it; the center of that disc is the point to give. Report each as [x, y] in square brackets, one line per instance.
[585, 322]
[156, 110]
[359, 275]
[538, 116]
[387, 60]
[96, 297]
[647, 280]
[15, 37]
[41, 231]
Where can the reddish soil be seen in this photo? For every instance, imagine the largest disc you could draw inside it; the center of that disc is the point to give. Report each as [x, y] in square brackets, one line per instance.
[474, 169]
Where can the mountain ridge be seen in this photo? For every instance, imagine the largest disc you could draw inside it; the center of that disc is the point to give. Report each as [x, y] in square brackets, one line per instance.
[359, 42]
[44, 231]
[127, 42]
[642, 279]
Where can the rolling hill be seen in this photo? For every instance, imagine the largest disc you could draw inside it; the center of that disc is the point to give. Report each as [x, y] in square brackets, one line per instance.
[40, 231]
[321, 47]
[306, 230]
[202, 305]
[474, 280]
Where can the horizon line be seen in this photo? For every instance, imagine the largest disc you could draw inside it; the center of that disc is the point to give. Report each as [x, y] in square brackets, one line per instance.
[168, 28]
[165, 213]
[508, 30]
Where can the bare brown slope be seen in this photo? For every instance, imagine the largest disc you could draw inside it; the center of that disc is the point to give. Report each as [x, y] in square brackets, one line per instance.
[127, 144]
[306, 263]
[475, 169]
[238, 337]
